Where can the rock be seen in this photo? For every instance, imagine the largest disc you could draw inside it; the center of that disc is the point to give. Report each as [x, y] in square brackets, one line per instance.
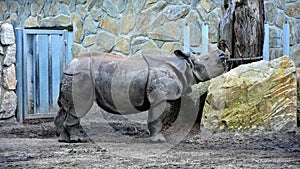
[33, 9]
[72, 6]
[128, 23]
[90, 4]
[63, 20]
[136, 43]
[170, 47]
[139, 40]
[208, 5]
[90, 25]
[13, 6]
[63, 10]
[145, 23]
[7, 34]
[110, 24]
[3, 7]
[159, 6]
[105, 42]
[9, 78]
[8, 105]
[120, 5]
[41, 5]
[171, 31]
[174, 12]
[281, 4]
[31, 22]
[150, 48]
[293, 10]
[110, 9]
[53, 8]
[260, 95]
[10, 55]
[82, 11]
[77, 28]
[281, 19]
[150, 3]
[272, 11]
[78, 49]
[123, 45]
[89, 40]
[139, 6]
[97, 14]
[48, 22]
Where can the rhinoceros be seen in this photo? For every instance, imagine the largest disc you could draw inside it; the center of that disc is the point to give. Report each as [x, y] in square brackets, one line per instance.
[129, 85]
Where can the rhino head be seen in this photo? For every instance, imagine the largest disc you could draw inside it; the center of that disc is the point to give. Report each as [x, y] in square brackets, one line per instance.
[205, 66]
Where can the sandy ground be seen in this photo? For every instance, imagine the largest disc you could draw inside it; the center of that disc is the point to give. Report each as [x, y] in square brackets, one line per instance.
[123, 143]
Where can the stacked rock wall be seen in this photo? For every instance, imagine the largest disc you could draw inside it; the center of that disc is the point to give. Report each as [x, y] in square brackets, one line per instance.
[8, 98]
[124, 27]
[277, 13]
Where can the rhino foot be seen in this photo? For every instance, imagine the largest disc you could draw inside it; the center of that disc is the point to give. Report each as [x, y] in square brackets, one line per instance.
[158, 138]
[73, 135]
[78, 135]
[64, 137]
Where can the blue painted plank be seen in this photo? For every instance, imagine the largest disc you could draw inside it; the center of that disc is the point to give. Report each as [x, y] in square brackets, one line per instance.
[204, 38]
[286, 39]
[266, 52]
[57, 53]
[43, 76]
[19, 70]
[69, 46]
[27, 59]
[186, 43]
[33, 73]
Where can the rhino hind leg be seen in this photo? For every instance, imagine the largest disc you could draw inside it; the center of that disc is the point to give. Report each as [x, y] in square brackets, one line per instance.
[75, 100]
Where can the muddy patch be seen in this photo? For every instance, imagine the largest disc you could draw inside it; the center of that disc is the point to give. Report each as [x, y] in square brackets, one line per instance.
[118, 144]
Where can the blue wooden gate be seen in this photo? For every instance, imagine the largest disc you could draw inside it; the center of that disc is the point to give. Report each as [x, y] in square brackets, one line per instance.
[41, 58]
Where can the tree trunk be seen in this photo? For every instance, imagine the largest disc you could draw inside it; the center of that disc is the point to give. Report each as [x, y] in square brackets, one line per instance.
[242, 29]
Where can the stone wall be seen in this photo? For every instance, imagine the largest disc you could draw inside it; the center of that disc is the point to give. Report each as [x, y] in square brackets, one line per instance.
[129, 26]
[278, 12]
[121, 26]
[8, 98]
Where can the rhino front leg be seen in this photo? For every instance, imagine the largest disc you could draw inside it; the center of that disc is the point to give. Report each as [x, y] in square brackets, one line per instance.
[59, 126]
[155, 123]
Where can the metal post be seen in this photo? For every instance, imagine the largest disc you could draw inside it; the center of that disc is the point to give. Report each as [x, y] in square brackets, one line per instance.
[266, 52]
[204, 38]
[19, 70]
[286, 39]
[186, 45]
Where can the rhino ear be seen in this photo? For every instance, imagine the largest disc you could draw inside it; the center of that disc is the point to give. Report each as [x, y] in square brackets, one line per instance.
[181, 54]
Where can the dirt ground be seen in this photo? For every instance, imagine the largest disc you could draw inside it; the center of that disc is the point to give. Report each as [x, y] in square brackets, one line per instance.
[122, 143]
